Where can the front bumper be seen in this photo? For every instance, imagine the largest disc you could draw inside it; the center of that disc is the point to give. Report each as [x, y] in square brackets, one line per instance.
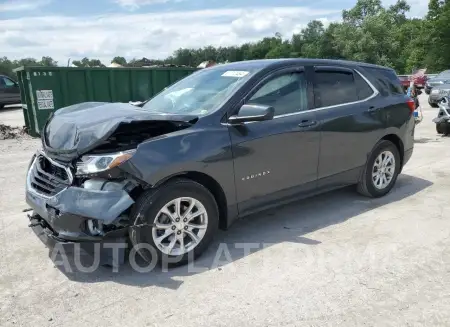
[64, 217]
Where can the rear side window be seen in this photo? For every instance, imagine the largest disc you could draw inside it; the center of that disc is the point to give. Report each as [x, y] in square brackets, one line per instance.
[387, 79]
[334, 87]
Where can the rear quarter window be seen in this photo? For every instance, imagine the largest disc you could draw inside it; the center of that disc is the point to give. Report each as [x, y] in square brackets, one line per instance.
[387, 80]
[362, 88]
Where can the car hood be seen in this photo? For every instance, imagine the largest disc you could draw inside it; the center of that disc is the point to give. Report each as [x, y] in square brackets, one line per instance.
[437, 81]
[77, 129]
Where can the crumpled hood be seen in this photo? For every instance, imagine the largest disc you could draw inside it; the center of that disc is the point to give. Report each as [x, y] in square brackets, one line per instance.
[79, 128]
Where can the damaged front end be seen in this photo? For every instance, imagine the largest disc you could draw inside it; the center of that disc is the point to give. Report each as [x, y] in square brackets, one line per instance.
[75, 184]
[76, 209]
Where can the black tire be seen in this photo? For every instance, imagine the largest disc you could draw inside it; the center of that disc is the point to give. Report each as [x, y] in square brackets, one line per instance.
[366, 185]
[1, 106]
[151, 202]
[427, 91]
[440, 128]
[432, 104]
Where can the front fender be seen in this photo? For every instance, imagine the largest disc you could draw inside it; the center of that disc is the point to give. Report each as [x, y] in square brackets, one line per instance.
[206, 151]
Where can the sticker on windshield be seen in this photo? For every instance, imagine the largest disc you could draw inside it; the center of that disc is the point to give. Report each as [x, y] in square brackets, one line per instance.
[235, 73]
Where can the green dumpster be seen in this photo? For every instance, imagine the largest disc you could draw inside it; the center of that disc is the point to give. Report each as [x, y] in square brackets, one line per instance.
[44, 90]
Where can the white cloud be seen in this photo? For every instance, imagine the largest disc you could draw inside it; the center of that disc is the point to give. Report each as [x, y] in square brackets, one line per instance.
[136, 4]
[13, 5]
[153, 35]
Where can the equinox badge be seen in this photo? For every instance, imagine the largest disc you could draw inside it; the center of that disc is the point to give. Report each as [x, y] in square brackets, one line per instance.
[252, 176]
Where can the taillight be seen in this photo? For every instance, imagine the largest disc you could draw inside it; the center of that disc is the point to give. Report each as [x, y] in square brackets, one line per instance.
[411, 105]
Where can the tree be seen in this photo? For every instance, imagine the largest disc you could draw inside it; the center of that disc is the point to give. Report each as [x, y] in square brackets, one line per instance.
[86, 62]
[48, 61]
[119, 60]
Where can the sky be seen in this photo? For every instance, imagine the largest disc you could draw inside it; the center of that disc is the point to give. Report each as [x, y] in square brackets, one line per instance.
[104, 29]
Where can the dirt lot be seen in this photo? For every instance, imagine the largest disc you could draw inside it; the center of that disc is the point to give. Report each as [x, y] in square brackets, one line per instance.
[336, 259]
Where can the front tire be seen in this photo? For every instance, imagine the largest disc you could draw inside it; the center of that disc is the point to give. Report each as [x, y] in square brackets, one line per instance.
[381, 170]
[443, 128]
[183, 218]
[432, 104]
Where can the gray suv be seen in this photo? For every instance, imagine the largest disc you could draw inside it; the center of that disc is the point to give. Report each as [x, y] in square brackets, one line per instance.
[220, 144]
[9, 91]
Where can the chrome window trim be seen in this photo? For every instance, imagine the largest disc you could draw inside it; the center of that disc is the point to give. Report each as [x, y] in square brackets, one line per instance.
[374, 94]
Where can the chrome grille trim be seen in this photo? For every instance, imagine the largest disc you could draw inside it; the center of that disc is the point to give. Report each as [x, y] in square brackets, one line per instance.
[43, 183]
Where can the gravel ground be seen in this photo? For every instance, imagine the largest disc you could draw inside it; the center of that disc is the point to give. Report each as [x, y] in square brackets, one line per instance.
[336, 259]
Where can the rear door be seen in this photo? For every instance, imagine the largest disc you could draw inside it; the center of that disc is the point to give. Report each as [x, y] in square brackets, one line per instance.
[350, 123]
[277, 159]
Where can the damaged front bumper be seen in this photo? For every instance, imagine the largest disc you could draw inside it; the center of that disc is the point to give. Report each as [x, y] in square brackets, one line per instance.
[90, 213]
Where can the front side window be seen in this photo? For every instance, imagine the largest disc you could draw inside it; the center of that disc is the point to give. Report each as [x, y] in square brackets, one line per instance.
[286, 93]
[201, 92]
[334, 88]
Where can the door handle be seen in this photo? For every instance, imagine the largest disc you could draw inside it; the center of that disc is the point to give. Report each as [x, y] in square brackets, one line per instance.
[307, 123]
[372, 109]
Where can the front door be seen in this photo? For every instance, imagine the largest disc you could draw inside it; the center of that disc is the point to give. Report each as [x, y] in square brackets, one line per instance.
[9, 90]
[277, 159]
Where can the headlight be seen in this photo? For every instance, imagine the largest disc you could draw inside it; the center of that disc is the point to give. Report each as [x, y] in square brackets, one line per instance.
[91, 164]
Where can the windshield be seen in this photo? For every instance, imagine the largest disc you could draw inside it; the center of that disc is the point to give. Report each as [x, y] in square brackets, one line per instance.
[200, 93]
[444, 74]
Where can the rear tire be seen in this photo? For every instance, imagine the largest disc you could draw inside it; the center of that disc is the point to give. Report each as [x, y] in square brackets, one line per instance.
[381, 170]
[180, 245]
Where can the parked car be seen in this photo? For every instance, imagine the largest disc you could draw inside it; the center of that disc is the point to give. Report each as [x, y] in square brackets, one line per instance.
[222, 143]
[9, 91]
[438, 93]
[419, 80]
[441, 78]
[404, 80]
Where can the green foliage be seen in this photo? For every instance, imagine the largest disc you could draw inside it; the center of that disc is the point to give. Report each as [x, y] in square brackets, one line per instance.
[368, 32]
[86, 62]
[119, 60]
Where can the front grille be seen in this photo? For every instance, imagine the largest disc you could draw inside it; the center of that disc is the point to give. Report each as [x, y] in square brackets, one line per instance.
[48, 178]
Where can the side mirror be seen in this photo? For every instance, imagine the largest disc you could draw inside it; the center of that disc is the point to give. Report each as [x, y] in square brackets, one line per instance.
[252, 112]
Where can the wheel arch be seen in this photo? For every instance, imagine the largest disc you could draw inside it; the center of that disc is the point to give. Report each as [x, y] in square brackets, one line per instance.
[397, 141]
[209, 183]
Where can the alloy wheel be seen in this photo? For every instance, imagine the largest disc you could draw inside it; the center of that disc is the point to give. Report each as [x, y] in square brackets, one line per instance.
[180, 226]
[383, 170]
